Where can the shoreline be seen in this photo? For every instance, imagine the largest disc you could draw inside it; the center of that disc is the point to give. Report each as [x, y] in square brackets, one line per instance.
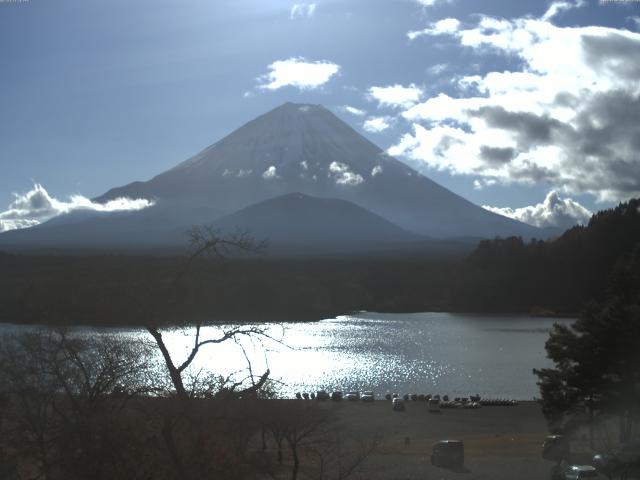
[286, 319]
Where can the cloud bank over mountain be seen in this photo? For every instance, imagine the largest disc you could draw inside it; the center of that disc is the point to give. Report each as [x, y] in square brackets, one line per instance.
[37, 206]
[554, 211]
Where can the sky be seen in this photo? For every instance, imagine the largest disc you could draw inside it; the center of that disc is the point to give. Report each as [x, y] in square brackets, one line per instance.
[529, 108]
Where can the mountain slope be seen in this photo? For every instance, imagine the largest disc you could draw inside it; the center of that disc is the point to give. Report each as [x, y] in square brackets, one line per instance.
[293, 148]
[300, 220]
[306, 148]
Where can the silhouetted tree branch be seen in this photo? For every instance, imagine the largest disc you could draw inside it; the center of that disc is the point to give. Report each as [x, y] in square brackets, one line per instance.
[206, 241]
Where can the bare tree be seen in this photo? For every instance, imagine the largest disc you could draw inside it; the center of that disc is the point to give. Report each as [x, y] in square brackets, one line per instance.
[183, 430]
[67, 397]
[205, 241]
[319, 447]
[339, 457]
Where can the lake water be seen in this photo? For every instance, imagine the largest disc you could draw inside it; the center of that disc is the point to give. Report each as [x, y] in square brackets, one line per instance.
[455, 354]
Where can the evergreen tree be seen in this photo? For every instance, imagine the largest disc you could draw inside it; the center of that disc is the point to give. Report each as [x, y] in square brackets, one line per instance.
[597, 358]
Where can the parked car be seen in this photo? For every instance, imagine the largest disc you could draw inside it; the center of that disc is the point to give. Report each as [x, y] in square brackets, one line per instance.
[434, 406]
[578, 472]
[398, 404]
[352, 396]
[448, 453]
[555, 448]
[622, 460]
[606, 464]
[322, 395]
[628, 453]
[367, 397]
[336, 396]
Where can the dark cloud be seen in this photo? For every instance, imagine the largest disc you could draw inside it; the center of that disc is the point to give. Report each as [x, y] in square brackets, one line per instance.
[531, 172]
[531, 129]
[496, 154]
[606, 143]
[615, 52]
[600, 149]
[445, 143]
[566, 99]
[570, 109]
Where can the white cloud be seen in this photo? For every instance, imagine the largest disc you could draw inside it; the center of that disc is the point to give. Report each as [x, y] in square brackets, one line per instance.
[484, 183]
[239, 174]
[377, 170]
[437, 69]
[558, 7]
[396, 95]
[299, 73]
[37, 206]
[572, 107]
[446, 25]
[354, 111]
[431, 3]
[270, 173]
[376, 124]
[554, 211]
[302, 10]
[343, 175]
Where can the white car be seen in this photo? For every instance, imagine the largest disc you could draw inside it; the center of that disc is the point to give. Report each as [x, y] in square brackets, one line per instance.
[367, 397]
[578, 472]
[352, 396]
[398, 404]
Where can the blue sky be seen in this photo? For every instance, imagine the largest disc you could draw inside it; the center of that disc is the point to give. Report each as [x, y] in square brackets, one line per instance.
[506, 103]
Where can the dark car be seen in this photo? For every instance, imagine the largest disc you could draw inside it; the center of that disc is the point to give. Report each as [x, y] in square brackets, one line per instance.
[352, 396]
[448, 453]
[555, 448]
[322, 395]
[622, 460]
[367, 397]
[336, 396]
[397, 405]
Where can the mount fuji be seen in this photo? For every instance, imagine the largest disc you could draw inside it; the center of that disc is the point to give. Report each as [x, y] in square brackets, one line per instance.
[302, 153]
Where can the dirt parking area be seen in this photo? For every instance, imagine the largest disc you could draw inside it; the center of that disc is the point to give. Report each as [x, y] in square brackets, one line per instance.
[500, 442]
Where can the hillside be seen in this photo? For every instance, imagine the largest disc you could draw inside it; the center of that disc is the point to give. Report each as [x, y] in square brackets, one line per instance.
[561, 275]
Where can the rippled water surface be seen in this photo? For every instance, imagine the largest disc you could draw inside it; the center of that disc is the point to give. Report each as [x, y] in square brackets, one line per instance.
[421, 352]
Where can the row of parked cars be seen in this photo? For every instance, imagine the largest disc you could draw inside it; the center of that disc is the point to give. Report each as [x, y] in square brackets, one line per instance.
[337, 396]
[435, 402]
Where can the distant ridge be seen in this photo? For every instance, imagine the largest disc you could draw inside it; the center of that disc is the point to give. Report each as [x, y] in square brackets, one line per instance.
[296, 219]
